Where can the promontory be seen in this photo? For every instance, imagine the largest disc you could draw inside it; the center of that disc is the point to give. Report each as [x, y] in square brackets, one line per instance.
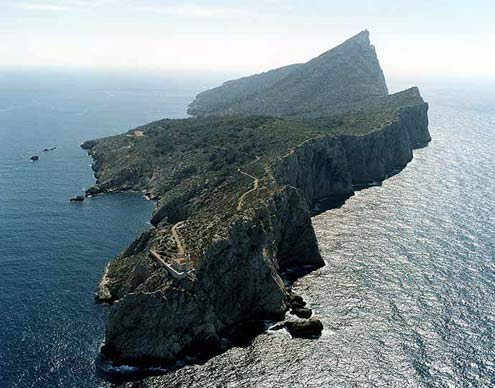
[236, 185]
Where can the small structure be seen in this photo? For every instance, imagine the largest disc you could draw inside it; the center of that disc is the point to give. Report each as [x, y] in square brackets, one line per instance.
[178, 267]
[179, 264]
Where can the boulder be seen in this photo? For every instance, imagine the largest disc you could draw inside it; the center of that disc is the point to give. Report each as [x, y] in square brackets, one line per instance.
[34, 158]
[77, 198]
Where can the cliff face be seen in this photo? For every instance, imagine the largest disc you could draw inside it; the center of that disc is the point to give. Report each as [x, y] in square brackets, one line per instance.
[334, 166]
[235, 194]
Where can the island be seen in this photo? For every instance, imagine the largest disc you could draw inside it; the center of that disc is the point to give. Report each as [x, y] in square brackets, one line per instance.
[236, 186]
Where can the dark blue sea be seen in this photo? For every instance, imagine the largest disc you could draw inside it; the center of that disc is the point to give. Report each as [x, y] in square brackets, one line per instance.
[407, 297]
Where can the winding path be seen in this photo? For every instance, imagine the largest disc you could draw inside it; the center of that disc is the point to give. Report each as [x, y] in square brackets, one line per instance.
[256, 183]
[181, 252]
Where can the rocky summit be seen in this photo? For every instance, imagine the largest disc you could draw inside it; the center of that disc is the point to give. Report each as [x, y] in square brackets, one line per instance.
[345, 74]
[235, 189]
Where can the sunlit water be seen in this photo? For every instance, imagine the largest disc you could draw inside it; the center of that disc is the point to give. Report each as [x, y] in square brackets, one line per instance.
[407, 297]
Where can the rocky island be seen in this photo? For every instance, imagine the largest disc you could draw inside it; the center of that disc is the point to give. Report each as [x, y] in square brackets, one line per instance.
[235, 187]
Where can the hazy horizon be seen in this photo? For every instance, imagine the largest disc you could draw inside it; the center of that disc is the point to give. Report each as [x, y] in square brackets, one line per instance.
[420, 39]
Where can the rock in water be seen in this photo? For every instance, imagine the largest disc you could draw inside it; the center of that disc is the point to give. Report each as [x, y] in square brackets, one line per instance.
[310, 328]
[295, 301]
[34, 158]
[78, 198]
[302, 312]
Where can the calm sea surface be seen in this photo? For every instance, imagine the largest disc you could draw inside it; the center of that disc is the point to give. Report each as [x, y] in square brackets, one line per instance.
[407, 296]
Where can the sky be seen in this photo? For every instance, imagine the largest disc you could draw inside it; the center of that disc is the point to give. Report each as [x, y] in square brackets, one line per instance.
[429, 38]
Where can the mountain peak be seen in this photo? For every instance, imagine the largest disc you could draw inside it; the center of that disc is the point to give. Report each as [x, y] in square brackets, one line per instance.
[361, 36]
[358, 41]
[345, 74]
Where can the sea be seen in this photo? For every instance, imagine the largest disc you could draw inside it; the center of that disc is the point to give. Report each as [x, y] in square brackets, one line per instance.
[407, 296]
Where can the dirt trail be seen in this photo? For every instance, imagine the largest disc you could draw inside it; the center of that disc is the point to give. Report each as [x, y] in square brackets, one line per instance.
[181, 252]
[255, 187]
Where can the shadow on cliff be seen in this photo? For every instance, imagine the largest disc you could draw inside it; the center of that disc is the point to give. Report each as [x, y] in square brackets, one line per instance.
[242, 336]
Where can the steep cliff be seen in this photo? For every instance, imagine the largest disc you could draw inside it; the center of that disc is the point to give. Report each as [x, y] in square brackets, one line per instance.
[235, 194]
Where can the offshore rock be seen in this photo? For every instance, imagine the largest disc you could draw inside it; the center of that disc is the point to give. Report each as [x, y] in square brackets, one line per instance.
[309, 328]
[302, 312]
